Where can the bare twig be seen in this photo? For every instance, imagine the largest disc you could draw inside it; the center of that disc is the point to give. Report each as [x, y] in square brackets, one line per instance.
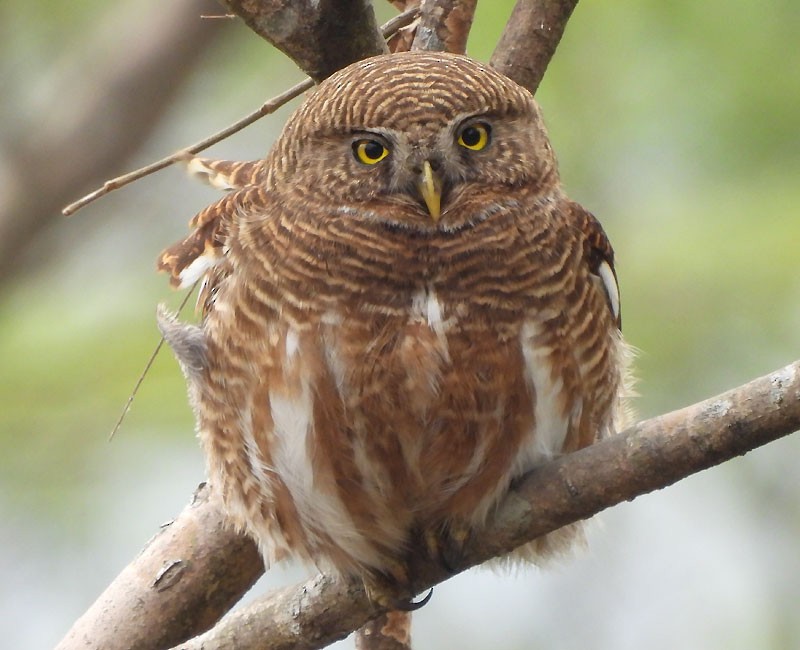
[444, 25]
[265, 109]
[530, 39]
[146, 369]
[650, 455]
[121, 181]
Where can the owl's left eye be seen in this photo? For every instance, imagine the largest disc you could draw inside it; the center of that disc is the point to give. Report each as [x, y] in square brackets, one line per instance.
[475, 136]
[369, 152]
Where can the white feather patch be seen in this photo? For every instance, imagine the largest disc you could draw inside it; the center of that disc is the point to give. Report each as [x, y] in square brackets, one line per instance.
[611, 287]
[197, 269]
[550, 426]
[425, 306]
[320, 510]
[199, 169]
[292, 344]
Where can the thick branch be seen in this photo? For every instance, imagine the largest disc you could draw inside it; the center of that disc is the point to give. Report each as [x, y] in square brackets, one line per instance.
[189, 574]
[444, 25]
[530, 39]
[320, 36]
[650, 455]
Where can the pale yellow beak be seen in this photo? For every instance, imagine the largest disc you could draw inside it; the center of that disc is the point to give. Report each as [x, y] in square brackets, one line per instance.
[431, 189]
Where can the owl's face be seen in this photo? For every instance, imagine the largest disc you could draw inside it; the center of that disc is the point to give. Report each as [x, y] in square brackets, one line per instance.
[416, 139]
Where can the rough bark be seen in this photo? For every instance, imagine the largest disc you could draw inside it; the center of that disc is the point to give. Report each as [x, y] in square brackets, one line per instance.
[444, 25]
[650, 455]
[188, 575]
[530, 39]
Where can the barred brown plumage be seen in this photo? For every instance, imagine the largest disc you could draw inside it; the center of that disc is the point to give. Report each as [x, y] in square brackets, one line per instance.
[387, 343]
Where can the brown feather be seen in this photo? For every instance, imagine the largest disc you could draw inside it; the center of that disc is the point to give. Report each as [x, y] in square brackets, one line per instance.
[372, 372]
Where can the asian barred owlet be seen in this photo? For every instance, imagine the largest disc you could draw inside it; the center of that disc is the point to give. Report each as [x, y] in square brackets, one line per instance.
[401, 313]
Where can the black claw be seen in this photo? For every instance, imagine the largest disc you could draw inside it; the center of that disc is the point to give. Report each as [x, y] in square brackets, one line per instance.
[446, 560]
[412, 606]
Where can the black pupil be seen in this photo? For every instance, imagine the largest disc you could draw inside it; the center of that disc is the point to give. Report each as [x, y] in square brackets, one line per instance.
[373, 150]
[471, 136]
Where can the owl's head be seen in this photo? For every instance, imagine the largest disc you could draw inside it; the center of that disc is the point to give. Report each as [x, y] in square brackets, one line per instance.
[415, 139]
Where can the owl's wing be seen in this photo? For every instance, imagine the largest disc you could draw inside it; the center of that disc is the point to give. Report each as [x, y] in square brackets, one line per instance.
[599, 255]
[202, 255]
[227, 174]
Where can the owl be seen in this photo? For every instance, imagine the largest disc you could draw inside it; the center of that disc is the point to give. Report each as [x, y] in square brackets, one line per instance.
[402, 313]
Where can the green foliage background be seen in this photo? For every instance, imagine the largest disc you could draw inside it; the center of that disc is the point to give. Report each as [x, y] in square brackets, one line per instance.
[676, 123]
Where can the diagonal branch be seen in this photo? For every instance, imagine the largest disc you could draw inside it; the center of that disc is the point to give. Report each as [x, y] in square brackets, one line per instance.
[192, 571]
[650, 455]
[530, 39]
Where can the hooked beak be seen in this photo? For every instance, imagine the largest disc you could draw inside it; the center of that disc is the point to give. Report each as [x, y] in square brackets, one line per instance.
[430, 186]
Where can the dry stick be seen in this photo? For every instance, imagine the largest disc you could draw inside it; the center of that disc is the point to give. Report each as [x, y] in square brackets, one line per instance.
[649, 456]
[530, 38]
[401, 20]
[115, 183]
[147, 367]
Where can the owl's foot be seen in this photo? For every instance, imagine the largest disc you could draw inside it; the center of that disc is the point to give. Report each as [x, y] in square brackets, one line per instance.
[447, 548]
[388, 589]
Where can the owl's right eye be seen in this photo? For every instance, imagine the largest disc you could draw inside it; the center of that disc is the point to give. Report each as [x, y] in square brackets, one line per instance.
[369, 152]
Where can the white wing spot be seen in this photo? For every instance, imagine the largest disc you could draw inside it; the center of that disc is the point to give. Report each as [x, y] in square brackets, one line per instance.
[196, 269]
[610, 284]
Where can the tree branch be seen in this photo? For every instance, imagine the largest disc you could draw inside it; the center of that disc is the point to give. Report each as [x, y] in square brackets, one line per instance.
[444, 25]
[188, 575]
[320, 36]
[650, 455]
[530, 39]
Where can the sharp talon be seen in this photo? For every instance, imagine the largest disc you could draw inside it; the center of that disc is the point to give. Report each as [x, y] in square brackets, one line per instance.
[412, 606]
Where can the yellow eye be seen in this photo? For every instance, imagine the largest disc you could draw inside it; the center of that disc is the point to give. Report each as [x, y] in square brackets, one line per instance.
[475, 136]
[369, 152]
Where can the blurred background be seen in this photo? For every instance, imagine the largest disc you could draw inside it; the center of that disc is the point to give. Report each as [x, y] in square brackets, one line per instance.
[676, 123]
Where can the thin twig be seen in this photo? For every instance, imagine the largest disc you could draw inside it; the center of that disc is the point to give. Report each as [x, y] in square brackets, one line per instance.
[147, 367]
[388, 29]
[121, 181]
